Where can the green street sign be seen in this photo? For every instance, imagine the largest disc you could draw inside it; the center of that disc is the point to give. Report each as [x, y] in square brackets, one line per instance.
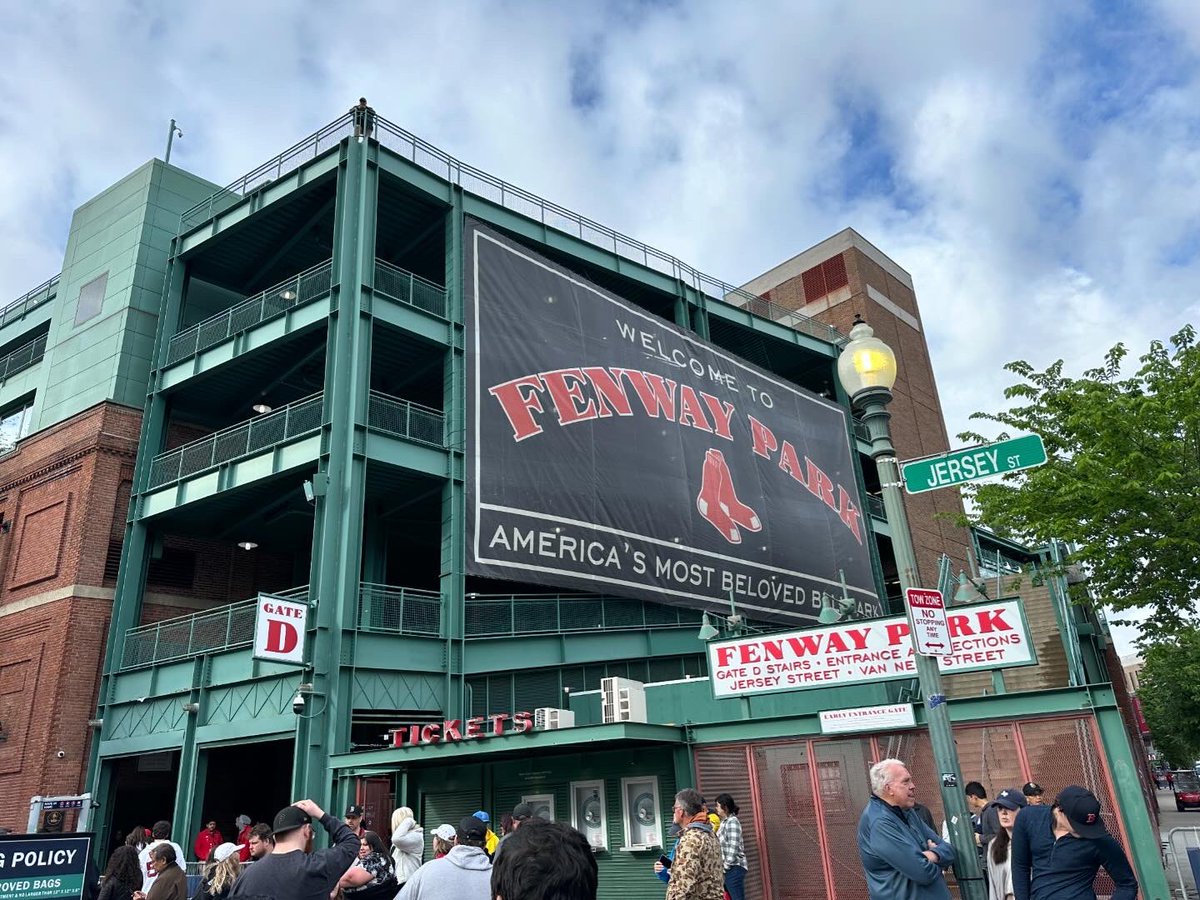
[973, 463]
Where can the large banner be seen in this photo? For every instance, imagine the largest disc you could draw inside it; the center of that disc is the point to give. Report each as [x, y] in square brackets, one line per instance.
[982, 636]
[611, 451]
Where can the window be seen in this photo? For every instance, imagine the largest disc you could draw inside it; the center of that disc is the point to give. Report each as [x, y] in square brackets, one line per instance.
[91, 299]
[14, 425]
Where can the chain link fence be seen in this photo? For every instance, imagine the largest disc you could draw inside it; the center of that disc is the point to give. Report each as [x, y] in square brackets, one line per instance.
[406, 287]
[274, 301]
[240, 440]
[395, 610]
[405, 419]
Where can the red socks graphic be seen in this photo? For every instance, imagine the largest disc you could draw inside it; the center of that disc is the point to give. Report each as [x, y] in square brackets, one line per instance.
[718, 503]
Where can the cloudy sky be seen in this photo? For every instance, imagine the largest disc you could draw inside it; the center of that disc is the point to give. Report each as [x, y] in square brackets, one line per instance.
[1035, 166]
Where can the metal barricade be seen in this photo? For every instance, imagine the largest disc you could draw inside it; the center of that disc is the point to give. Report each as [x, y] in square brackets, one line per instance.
[1175, 860]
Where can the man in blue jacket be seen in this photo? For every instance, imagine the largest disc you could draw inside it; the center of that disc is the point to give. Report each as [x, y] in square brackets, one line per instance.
[1057, 851]
[902, 857]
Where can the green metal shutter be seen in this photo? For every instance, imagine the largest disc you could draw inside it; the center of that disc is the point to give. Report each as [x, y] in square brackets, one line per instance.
[449, 808]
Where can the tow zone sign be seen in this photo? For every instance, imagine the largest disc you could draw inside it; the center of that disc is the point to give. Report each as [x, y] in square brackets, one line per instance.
[982, 636]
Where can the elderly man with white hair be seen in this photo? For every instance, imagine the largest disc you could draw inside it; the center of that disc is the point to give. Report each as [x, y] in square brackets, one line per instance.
[902, 857]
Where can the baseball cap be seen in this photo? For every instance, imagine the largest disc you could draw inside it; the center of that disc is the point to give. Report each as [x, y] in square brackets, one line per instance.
[1033, 789]
[1082, 809]
[482, 817]
[523, 811]
[353, 810]
[1010, 798]
[289, 819]
[445, 831]
[471, 829]
[227, 850]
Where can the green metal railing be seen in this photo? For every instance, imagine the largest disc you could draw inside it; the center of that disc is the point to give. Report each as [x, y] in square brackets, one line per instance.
[292, 158]
[274, 301]
[210, 631]
[22, 358]
[481, 184]
[503, 616]
[404, 286]
[29, 301]
[875, 507]
[405, 419]
[396, 610]
[245, 438]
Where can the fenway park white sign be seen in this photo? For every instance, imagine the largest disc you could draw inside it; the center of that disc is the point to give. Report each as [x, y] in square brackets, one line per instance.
[982, 636]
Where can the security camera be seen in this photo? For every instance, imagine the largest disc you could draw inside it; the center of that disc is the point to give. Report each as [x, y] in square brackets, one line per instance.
[298, 704]
[61, 754]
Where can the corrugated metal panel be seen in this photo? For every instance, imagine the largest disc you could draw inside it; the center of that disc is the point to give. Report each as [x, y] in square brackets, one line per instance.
[448, 807]
[726, 770]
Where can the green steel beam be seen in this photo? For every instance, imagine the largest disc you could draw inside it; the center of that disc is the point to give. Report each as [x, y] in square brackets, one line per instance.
[451, 579]
[739, 316]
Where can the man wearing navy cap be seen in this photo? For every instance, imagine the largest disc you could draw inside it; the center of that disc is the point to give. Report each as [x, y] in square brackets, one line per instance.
[1057, 851]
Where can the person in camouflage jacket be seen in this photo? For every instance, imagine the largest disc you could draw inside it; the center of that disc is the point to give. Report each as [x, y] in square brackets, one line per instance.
[697, 872]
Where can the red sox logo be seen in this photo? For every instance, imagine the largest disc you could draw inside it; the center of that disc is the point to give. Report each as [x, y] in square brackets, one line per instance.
[1091, 818]
[718, 502]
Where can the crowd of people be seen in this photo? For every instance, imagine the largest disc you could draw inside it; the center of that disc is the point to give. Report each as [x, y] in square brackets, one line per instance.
[1028, 850]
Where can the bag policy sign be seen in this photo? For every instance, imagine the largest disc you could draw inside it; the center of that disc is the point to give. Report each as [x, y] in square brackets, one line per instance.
[982, 636]
[44, 867]
[611, 451]
[279, 629]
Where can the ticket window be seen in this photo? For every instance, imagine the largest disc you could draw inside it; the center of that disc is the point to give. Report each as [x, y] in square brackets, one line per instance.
[589, 812]
[642, 813]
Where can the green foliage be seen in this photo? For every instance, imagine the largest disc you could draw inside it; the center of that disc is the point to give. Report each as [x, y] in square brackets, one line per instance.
[1170, 694]
[1122, 480]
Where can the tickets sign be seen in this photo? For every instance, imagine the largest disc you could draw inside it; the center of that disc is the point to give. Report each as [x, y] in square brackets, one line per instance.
[982, 636]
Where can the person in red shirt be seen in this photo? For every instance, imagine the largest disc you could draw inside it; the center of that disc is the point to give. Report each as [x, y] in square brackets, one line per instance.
[242, 823]
[208, 840]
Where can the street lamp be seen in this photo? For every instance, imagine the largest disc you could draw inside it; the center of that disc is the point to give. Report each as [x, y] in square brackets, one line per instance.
[867, 370]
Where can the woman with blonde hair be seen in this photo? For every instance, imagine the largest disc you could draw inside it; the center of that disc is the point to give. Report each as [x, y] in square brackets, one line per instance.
[408, 842]
[224, 867]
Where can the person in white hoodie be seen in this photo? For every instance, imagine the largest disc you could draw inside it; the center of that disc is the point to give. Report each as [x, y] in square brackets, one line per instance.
[465, 873]
[408, 843]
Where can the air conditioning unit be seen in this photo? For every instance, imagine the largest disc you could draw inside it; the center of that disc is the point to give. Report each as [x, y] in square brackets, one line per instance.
[622, 700]
[547, 718]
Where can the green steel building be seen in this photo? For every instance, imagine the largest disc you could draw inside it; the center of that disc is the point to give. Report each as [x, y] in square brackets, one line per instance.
[305, 342]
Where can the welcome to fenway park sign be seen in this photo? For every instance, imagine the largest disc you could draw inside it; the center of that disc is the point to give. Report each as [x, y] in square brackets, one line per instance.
[611, 451]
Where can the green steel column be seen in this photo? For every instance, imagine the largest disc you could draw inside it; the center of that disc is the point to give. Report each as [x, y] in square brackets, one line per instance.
[1144, 847]
[454, 518]
[131, 576]
[338, 525]
[873, 402]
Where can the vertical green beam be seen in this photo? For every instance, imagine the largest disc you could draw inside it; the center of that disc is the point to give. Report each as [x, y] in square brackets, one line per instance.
[131, 575]
[338, 525]
[1144, 848]
[454, 510]
[189, 788]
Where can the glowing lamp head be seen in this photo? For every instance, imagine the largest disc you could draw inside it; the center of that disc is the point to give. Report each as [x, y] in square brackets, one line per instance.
[866, 361]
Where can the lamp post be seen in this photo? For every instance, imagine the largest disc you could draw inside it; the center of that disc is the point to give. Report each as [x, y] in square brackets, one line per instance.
[867, 370]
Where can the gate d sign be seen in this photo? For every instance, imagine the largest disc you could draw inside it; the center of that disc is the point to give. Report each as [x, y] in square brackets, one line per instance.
[973, 463]
[279, 629]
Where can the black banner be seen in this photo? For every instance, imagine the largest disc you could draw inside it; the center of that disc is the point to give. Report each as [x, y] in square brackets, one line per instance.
[609, 450]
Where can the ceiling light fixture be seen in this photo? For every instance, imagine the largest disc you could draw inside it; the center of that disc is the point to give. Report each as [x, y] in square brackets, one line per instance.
[288, 295]
[247, 545]
[261, 408]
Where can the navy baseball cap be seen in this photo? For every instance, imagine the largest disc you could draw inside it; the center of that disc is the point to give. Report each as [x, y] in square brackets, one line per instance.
[1010, 798]
[289, 819]
[1082, 810]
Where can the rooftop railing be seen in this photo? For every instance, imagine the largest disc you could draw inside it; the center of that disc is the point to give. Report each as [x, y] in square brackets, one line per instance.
[22, 358]
[245, 438]
[406, 287]
[504, 616]
[211, 631]
[403, 418]
[29, 301]
[298, 290]
[480, 183]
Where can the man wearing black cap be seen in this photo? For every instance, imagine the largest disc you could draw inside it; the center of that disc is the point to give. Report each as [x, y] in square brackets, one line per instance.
[293, 869]
[353, 818]
[522, 813]
[1057, 851]
[1034, 793]
[465, 873]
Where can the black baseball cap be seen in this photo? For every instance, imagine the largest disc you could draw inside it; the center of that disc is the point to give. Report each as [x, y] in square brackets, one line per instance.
[353, 811]
[289, 819]
[1082, 810]
[1010, 798]
[1033, 789]
[523, 811]
[471, 829]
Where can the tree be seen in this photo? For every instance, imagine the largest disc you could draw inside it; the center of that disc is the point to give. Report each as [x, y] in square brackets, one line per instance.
[1169, 689]
[1122, 480]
